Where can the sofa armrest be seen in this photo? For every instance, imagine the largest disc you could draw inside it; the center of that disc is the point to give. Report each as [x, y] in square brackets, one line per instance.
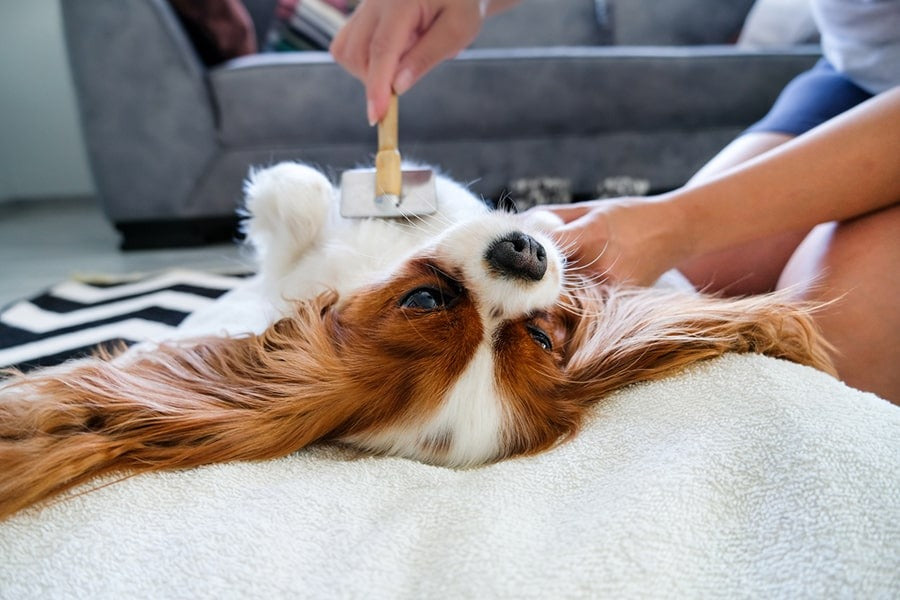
[145, 107]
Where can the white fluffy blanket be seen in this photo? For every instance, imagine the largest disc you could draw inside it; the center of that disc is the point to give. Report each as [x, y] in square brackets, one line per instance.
[741, 477]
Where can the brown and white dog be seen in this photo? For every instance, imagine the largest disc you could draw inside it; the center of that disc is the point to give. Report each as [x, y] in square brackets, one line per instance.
[456, 339]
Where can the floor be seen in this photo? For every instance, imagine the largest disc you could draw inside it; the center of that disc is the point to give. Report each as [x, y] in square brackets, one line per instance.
[43, 242]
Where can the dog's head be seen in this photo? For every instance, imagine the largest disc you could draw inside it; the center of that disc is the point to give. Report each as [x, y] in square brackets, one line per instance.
[457, 356]
[488, 344]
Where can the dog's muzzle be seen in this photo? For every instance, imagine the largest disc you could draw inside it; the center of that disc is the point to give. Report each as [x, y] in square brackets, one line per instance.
[517, 255]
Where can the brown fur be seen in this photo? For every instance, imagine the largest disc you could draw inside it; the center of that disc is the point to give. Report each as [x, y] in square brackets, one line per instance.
[218, 400]
[324, 374]
[619, 336]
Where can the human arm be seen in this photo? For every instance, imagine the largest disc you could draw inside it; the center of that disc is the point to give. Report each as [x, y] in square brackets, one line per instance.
[845, 168]
[390, 44]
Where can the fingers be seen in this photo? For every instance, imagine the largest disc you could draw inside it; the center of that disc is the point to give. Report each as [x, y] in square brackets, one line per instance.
[569, 240]
[451, 31]
[578, 234]
[587, 241]
[580, 237]
[369, 46]
[350, 47]
[390, 44]
[391, 36]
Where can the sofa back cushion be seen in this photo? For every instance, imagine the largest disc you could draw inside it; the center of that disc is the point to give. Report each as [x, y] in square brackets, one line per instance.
[619, 22]
[677, 22]
[546, 23]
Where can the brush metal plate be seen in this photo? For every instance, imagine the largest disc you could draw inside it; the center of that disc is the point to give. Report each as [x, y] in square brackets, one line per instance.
[418, 195]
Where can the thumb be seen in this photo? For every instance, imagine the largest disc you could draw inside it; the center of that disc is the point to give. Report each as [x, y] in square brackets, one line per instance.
[387, 44]
[443, 40]
[570, 238]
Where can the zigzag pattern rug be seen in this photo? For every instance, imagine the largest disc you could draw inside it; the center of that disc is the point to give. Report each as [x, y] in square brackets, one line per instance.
[75, 318]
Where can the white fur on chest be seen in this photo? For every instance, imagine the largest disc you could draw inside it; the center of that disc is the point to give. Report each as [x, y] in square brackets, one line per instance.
[470, 422]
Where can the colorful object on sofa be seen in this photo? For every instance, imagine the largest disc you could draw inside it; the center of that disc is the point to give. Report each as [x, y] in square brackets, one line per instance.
[307, 24]
[219, 29]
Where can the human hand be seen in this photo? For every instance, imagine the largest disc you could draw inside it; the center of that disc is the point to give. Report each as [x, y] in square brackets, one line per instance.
[390, 44]
[626, 240]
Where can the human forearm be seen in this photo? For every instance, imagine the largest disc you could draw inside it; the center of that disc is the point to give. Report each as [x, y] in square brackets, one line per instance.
[845, 168]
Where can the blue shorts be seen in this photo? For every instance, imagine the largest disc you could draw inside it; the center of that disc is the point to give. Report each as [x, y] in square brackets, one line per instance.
[810, 99]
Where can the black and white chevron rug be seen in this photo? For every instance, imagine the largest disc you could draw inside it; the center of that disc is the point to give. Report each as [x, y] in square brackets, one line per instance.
[74, 318]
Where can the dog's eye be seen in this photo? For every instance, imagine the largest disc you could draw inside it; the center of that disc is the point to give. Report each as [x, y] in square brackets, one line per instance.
[424, 299]
[539, 337]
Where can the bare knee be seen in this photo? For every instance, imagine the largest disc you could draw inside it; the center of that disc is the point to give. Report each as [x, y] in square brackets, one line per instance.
[854, 266]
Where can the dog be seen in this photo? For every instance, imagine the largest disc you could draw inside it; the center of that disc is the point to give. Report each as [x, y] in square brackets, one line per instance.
[457, 339]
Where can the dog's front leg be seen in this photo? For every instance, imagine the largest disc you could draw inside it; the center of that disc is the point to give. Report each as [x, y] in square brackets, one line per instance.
[288, 207]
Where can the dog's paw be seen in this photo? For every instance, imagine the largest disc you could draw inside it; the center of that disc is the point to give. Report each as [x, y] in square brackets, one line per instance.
[287, 205]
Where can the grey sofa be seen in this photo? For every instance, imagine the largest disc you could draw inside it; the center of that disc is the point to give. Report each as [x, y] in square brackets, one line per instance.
[575, 89]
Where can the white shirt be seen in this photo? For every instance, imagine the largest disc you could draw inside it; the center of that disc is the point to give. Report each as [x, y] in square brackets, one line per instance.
[861, 39]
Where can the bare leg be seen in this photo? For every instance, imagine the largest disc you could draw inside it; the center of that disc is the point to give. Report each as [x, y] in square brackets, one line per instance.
[749, 268]
[856, 262]
[739, 150]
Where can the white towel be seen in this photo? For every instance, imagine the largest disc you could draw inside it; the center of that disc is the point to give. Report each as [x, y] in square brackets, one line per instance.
[744, 476]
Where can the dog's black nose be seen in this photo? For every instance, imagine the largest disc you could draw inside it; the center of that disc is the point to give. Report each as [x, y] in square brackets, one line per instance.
[518, 255]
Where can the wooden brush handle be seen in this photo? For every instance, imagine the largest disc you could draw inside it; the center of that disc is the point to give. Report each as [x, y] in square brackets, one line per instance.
[388, 177]
[387, 126]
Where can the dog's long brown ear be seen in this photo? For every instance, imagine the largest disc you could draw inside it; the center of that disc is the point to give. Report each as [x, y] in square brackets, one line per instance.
[209, 401]
[633, 335]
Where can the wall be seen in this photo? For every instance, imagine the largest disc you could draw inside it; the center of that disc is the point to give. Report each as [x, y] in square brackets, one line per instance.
[41, 149]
